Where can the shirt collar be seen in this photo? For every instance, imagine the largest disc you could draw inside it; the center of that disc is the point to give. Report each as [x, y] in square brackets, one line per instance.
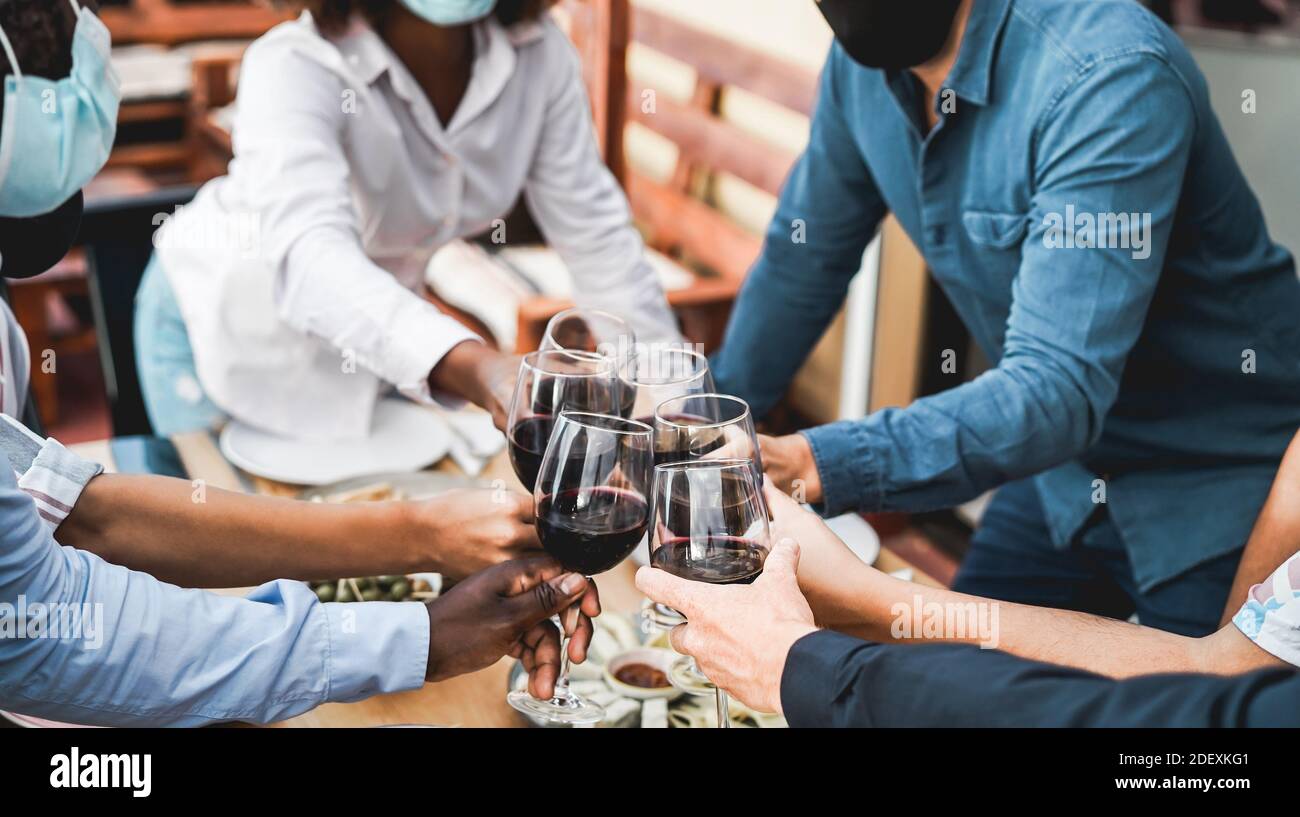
[970, 75]
[495, 46]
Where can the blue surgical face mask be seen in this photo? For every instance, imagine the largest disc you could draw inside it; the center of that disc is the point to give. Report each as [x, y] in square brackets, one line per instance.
[57, 135]
[451, 12]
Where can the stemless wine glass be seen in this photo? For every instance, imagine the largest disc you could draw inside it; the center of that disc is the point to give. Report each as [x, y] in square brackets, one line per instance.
[590, 330]
[550, 382]
[657, 373]
[592, 511]
[710, 525]
[694, 427]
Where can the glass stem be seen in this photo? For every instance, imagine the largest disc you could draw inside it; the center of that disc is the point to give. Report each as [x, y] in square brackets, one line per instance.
[562, 682]
[724, 711]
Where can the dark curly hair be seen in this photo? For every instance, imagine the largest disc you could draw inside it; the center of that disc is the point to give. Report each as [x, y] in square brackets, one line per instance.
[41, 34]
[332, 15]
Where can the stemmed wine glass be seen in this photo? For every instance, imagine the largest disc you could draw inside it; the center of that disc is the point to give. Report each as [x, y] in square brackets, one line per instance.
[694, 427]
[657, 373]
[590, 330]
[710, 525]
[550, 382]
[592, 511]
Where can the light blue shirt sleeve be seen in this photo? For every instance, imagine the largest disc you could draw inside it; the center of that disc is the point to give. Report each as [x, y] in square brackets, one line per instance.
[85, 641]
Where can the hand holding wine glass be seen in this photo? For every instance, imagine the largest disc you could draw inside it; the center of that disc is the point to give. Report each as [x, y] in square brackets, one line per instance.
[592, 511]
[740, 635]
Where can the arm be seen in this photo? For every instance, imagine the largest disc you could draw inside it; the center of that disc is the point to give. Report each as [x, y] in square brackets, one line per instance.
[853, 598]
[152, 653]
[1075, 313]
[759, 643]
[583, 213]
[290, 132]
[834, 680]
[1277, 531]
[828, 211]
[217, 538]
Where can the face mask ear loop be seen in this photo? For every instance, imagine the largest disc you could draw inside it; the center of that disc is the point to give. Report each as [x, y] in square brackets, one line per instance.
[9, 52]
[76, 8]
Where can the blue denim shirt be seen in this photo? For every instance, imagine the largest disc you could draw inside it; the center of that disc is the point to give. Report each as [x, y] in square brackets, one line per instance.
[85, 641]
[1163, 360]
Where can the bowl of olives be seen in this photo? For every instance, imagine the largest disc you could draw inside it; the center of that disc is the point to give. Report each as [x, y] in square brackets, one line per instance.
[420, 587]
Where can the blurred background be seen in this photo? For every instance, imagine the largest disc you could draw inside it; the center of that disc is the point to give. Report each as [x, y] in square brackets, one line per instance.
[700, 108]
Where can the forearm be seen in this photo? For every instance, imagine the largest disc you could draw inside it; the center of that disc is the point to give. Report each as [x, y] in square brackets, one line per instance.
[213, 538]
[871, 605]
[1276, 536]
[831, 680]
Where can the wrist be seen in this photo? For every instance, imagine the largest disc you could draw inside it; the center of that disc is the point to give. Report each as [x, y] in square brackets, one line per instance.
[460, 371]
[413, 529]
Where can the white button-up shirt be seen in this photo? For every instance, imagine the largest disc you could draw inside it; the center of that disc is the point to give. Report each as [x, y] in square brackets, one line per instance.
[298, 273]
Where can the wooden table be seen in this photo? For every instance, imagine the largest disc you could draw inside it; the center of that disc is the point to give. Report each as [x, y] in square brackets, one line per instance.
[477, 699]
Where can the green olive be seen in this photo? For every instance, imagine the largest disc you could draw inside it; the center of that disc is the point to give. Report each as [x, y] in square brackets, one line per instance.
[387, 582]
[372, 594]
[345, 594]
[400, 590]
[325, 592]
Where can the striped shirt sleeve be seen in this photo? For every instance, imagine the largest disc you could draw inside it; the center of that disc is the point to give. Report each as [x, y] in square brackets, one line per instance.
[1271, 615]
[46, 471]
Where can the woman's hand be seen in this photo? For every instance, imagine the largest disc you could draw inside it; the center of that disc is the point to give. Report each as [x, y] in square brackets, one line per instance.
[739, 635]
[479, 374]
[789, 462]
[505, 610]
[468, 530]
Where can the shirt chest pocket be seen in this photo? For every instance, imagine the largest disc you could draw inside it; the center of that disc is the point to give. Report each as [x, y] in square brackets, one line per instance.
[989, 229]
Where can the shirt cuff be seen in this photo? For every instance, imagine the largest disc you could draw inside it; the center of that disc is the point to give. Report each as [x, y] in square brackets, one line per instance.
[55, 481]
[416, 345]
[813, 682]
[847, 466]
[376, 647]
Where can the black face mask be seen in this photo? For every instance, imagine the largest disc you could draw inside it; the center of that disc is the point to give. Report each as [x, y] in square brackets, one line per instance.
[891, 34]
[30, 246]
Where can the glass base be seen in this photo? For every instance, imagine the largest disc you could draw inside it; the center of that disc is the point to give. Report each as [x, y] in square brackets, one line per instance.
[686, 676]
[570, 709]
[657, 617]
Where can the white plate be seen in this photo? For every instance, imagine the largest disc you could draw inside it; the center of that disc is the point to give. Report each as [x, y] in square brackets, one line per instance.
[403, 437]
[858, 534]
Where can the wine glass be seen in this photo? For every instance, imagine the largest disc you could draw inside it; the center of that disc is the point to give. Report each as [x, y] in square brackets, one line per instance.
[710, 525]
[693, 427]
[592, 511]
[657, 373]
[550, 382]
[590, 330]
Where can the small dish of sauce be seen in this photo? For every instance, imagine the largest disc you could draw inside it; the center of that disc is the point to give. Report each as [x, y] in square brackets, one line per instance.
[642, 675]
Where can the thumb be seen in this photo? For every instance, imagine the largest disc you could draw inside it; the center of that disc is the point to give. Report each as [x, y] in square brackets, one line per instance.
[783, 561]
[547, 598]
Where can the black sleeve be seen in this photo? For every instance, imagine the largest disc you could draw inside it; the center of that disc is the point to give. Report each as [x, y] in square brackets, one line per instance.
[832, 680]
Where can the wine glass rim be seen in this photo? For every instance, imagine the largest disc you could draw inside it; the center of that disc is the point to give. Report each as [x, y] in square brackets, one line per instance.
[716, 464]
[573, 310]
[695, 375]
[533, 361]
[714, 424]
[631, 427]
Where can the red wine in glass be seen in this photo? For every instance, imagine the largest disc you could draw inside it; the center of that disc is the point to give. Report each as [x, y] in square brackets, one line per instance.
[713, 559]
[591, 531]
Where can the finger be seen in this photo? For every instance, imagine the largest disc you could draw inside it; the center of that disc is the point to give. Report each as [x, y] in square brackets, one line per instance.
[580, 640]
[517, 577]
[591, 600]
[783, 561]
[525, 538]
[779, 501]
[665, 588]
[546, 663]
[547, 598]
[677, 637]
[523, 510]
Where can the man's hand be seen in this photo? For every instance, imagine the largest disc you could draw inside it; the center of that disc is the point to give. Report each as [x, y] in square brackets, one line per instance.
[469, 530]
[481, 375]
[789, 462]
[739, 635]
[505, 610]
